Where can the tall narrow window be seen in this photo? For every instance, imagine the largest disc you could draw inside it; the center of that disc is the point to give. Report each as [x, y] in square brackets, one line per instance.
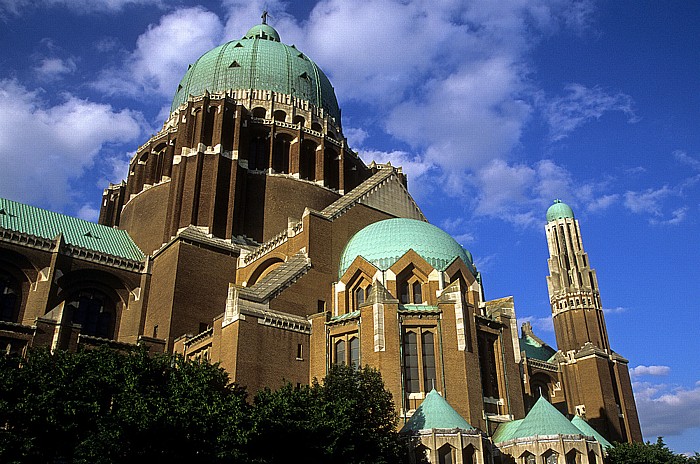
[429, 377]
[9, 298]
[404, 295]
[340, 352]
[410, 360]
[445, 455]
[417, 293]
[355, 352]
[551, 457]
[359, 297]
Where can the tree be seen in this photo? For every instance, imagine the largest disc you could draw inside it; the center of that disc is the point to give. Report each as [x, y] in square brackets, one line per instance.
[347, 418]
[106, 406]
[647, 453]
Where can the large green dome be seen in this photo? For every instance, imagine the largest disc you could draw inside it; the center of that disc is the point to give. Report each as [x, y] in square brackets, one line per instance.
[384, 242]
[559, 210]
[258, 61]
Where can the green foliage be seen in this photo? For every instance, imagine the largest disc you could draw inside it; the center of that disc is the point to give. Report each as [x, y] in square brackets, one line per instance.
[104, 406]
[349, 418]
[647, 453]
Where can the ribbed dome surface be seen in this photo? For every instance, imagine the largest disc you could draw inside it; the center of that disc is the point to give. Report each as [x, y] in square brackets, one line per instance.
[559, 210]
[258, 61]
[385, 242]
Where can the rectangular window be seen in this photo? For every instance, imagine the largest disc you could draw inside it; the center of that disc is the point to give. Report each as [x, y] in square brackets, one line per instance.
[321, 306]
[410, 361]
[300, 351]
[339, 352]
[404, 297]
[355, 352]
[429, 377]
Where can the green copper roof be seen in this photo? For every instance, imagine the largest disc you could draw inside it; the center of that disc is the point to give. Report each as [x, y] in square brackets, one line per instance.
[384, 242]
[258, 61]
[543, 419]
[435, 413]
[587, 430]
[505, 431]
[559, 210]
[38, 222]
[536, 350]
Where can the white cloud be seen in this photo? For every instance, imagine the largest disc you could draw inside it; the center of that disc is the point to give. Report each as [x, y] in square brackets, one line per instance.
[65, 140]
[667, 410]
[413, 166]
[684, 158]
[89, 213]
[602, 203]
[650, 370]
[18, 7]
[677, 216]
[543, 324]
[163, 53]
[647, 201]
[54, 68]
[615, 310]
[581, 105]
[355, 135]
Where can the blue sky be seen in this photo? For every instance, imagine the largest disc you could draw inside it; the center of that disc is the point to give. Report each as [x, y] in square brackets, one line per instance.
[493, 109]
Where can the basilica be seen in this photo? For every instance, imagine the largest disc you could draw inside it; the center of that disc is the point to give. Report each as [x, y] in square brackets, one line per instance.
[248, 233]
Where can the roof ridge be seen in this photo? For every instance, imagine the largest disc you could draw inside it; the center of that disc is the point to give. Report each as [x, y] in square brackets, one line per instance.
[354, 196]
[277, 281]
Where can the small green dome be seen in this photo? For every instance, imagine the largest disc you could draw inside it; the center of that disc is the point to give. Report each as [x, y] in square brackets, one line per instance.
[384, 242]
[559, 210]
[258, 61]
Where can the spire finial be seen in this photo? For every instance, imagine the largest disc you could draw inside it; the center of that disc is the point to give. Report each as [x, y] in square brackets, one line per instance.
[264, 16]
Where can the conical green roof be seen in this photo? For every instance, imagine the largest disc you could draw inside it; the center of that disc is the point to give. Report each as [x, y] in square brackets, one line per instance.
[559, 210]
[385, 242]
[435, 413]
[587, 430]
[258, 61]
[505, 431]
[543, 419]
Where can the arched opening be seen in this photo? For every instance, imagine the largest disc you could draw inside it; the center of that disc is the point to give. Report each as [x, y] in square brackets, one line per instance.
[330, 169]
[94, 311]
[331, 135]
[280, 153]
[298, 119]
[528, 458]
[446, 454]
[551, 457]
[280, 115]
[10, 297]
[307, 160]
[410, 286]
[259, 112]
[468, 454]
[263, 270]
[316, 127]
[572, 457]
[539, 387]
[592, 458]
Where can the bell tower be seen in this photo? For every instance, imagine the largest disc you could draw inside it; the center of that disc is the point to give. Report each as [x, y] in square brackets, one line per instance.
[572, 283]
[596, 379]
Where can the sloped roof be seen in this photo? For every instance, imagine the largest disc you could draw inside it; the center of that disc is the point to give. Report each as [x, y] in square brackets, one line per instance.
[586, 428]
[279, 279]
[42, 223]
[336, 208]
[435, 413]
[543, 419]
[535, 348]
[505, 431]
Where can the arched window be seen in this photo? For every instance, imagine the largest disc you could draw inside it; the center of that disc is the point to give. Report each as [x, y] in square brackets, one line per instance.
[94, 311]
[355, 352]
[316, 127]
[259, 112]
[528, 458]
[280, 115]
[9, 298]
[468, 454]
[280, 154]
[404, 296]
[298, 119]
[572, 457]
[330, 169]
[339, 354]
